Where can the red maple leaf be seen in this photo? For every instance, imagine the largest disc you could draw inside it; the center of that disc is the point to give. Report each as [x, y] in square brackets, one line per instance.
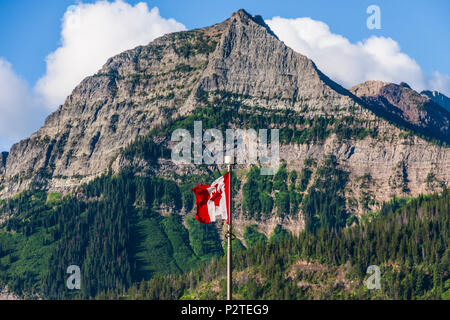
[216, 196]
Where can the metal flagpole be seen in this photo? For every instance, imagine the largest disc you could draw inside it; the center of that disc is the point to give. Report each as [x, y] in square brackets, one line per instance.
[229, 161]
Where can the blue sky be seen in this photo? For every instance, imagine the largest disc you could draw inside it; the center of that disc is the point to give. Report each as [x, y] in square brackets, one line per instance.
[31, 30]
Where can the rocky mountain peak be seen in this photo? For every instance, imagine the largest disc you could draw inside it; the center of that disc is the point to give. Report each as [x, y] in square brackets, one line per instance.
[244, 17]
[406, 106]
[241, 15]
[404, 85]
[251, 61]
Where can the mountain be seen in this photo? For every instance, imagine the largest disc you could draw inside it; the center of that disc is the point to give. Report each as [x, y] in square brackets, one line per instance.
[142, 88]
[406, 106]
[439, 98]
[103, 158]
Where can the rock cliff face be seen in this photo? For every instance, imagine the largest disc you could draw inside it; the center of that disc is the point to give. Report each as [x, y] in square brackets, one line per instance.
[141, 88]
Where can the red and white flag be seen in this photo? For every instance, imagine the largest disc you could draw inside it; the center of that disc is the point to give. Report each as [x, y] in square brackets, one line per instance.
[212, 200]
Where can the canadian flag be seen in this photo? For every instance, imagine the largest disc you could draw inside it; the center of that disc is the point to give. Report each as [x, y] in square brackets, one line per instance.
[212, 200]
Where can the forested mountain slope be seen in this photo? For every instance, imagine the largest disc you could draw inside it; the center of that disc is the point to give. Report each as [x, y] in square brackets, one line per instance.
[407, 239]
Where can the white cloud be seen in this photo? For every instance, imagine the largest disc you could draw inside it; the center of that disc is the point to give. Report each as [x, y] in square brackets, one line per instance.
[92, 33]
[376, 58]
[20, 113]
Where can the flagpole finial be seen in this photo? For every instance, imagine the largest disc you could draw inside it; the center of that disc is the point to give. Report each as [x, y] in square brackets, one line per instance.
[229, 160]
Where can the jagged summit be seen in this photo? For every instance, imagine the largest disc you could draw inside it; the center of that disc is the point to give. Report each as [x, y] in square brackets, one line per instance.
[404, 85]
[250, 60]
[244, 16]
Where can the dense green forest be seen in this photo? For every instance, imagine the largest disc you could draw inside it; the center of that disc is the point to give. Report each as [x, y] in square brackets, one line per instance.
[112, 228]
[408, 240]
